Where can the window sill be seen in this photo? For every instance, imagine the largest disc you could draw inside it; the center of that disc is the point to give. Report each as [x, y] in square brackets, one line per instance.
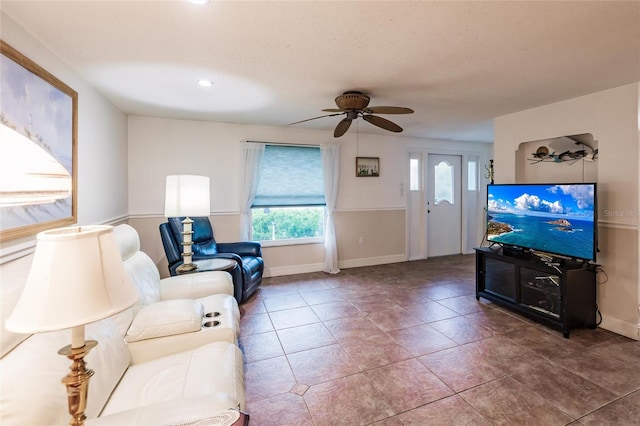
[295, 242]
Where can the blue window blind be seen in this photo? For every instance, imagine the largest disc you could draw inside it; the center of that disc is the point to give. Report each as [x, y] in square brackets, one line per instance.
[291, 176]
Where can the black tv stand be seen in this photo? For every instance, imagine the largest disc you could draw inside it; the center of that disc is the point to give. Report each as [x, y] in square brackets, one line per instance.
[561, 294]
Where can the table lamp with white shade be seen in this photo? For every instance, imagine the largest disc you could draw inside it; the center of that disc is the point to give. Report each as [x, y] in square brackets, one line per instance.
[187, 195]
[77, 277]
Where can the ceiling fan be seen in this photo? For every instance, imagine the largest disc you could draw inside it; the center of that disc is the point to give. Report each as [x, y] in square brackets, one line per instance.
[354, 104]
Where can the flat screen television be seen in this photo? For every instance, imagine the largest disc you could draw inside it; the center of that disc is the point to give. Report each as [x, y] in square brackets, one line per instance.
[559, 219]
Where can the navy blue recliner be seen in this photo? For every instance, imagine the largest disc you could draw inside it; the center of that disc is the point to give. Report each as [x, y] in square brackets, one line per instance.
[247, 276]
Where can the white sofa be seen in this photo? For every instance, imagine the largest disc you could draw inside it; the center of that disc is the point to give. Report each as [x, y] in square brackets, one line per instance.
[175, 380]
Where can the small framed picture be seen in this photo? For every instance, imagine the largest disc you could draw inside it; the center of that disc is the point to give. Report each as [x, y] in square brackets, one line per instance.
[367, 166]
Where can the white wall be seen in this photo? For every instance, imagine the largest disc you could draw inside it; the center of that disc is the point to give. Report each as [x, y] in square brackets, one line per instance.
[158, 147]
[102, 158]
[612, 117]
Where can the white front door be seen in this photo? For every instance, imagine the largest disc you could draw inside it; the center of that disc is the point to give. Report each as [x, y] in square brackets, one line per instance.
[444, 207]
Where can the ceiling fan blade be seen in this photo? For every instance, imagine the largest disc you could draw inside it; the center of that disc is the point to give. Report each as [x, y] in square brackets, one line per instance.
[382, 123]
[314, 118]
[389, 110]
[342, 127]
[333, 110]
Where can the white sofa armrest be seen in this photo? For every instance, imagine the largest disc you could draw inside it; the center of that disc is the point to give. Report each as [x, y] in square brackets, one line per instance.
[196, 285]
[149, 349]
[175, 411]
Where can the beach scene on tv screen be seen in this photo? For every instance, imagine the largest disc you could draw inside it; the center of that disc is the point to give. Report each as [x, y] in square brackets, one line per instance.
[556, 219]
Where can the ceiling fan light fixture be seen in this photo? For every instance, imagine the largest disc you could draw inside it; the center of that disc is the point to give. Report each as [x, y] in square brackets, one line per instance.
[352, 100]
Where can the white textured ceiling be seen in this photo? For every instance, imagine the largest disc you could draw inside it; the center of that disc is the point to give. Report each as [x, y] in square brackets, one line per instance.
[457, 64]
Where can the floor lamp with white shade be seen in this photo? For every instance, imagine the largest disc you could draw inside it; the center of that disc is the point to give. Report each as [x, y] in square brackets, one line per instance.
[187, 195]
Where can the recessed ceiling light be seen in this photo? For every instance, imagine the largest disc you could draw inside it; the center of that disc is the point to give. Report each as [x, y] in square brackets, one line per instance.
[205, 83]
[198, 1]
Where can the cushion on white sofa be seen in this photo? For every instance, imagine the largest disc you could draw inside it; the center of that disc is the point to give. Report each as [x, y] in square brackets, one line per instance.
[123, 320]
[127, 239]
[195, 285]
[144, 274]
[12, 278]
[208, 370]
[166, 318]
[177, 411]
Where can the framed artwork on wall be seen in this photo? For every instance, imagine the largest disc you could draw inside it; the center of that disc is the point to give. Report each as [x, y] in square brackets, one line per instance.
[367, 166]
[38, 148]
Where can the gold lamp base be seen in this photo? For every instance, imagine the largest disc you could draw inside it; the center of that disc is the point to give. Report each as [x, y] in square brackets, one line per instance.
[186, 267]
[77, 381]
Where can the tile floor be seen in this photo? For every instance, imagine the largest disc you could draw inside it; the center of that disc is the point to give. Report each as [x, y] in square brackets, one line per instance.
[408, 344]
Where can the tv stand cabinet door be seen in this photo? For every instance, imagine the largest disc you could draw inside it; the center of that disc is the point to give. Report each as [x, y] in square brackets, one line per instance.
[495, 276]
[541, 291]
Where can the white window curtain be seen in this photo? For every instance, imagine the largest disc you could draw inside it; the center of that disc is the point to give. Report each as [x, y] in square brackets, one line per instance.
[253, 156]
[331, 172]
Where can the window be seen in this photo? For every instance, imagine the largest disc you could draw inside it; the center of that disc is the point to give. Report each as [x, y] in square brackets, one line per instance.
[443, 182]
[414, 174]
[289, 202]
[472, 173]
[287, 223]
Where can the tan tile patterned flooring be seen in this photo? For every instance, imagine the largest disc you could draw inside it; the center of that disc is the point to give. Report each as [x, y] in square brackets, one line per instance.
[408, 344]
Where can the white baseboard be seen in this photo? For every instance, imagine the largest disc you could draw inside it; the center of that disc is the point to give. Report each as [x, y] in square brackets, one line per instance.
[291, 270]
[627, 329]
[344, 264]
[371, 261]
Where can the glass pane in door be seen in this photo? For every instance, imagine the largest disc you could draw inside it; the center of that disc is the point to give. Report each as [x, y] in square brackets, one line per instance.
[414, 174]
[443, 183]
